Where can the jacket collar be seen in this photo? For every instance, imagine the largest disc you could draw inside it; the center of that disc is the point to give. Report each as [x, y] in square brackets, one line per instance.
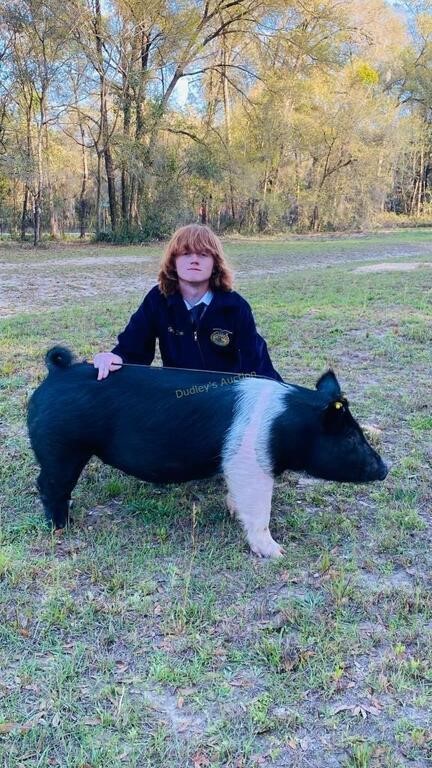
[205, 299]
[219, 297]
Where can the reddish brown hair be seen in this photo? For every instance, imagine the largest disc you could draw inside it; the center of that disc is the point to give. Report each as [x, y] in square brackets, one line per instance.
[194, 238]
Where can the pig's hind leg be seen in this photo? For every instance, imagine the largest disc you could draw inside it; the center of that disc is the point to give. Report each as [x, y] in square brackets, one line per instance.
[57, 479]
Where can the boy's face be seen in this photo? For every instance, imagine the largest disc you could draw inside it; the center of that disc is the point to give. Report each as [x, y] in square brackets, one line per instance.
[194, 267]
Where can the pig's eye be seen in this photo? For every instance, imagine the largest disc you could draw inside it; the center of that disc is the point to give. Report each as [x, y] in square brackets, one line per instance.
[340, 404]
[335, 417]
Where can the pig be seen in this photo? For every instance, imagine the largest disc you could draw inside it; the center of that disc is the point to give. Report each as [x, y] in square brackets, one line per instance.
[167, 425]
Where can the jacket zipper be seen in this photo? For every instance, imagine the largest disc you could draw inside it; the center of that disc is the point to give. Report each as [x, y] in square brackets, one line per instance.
[195, 335]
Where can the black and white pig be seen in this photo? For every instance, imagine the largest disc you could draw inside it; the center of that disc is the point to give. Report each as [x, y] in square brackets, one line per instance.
[173, 425]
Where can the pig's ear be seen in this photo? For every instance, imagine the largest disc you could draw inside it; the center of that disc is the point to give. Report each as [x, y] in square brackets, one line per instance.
[329, 385]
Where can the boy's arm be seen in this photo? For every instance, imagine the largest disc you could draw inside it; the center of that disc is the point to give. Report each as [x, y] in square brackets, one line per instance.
[252, 347]
[136, 344]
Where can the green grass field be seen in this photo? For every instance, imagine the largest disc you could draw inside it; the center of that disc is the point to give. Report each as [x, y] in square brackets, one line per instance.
[148, 636]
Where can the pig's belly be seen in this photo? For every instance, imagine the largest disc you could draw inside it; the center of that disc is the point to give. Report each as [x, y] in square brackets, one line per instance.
[158, 467]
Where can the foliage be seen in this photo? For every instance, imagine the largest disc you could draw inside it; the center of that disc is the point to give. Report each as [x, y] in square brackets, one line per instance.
[126, 119]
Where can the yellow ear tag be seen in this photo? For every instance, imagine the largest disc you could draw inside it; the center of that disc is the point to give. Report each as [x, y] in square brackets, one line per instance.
[338, 405]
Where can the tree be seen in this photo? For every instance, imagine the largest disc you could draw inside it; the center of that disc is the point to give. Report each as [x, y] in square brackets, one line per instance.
[38, 56]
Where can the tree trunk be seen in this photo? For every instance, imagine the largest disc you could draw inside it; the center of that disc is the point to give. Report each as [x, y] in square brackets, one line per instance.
[137, 186]
[125, 195]
[24, 212]
[227, 113]
[127, 113]
[421, 183]
[14, 223]
[413, 197]
[82, 199]
[133, 201]
[29, 143]
[109, 165]
[265, 182]
[203, 211]
[54, 229]
[98, 194]
[39, 186]
[37, 217]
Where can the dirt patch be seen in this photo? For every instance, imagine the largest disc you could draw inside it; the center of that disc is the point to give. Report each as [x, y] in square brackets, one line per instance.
[392, 266]
[91, 274]
[46, 290]
[84, 261]
[170, 708]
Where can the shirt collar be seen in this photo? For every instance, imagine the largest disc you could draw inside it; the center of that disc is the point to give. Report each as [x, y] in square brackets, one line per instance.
[206, 299]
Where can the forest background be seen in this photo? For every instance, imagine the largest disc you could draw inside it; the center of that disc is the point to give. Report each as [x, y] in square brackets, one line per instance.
[125, 119]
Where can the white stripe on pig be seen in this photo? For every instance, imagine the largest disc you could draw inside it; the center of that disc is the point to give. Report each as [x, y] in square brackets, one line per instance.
[246, 460]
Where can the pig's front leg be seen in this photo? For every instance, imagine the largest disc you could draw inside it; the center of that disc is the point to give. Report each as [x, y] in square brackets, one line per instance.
[247, 465]
[250, 499]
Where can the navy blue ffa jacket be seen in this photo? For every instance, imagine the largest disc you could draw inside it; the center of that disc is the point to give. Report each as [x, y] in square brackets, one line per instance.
[225, 338]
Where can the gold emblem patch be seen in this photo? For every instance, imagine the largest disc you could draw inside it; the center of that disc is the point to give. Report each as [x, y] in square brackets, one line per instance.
[221, 338]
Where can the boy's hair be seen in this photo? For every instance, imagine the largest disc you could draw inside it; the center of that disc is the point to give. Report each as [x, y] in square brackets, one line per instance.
[194, 238]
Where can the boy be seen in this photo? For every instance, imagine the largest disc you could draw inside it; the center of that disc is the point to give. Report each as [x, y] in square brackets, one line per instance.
[199, 320]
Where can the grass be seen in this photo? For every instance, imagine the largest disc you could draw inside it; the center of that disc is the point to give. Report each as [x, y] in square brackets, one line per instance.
[147, 635]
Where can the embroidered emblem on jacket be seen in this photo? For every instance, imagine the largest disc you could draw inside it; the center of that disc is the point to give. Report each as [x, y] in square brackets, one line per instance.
[220, 337]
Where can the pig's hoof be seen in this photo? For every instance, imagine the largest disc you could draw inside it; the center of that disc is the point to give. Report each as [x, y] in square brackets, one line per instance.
[60, 526]
[267, 548]
[231, 506]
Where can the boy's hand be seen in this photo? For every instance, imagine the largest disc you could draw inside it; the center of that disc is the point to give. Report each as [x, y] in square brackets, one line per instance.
[106, 362]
